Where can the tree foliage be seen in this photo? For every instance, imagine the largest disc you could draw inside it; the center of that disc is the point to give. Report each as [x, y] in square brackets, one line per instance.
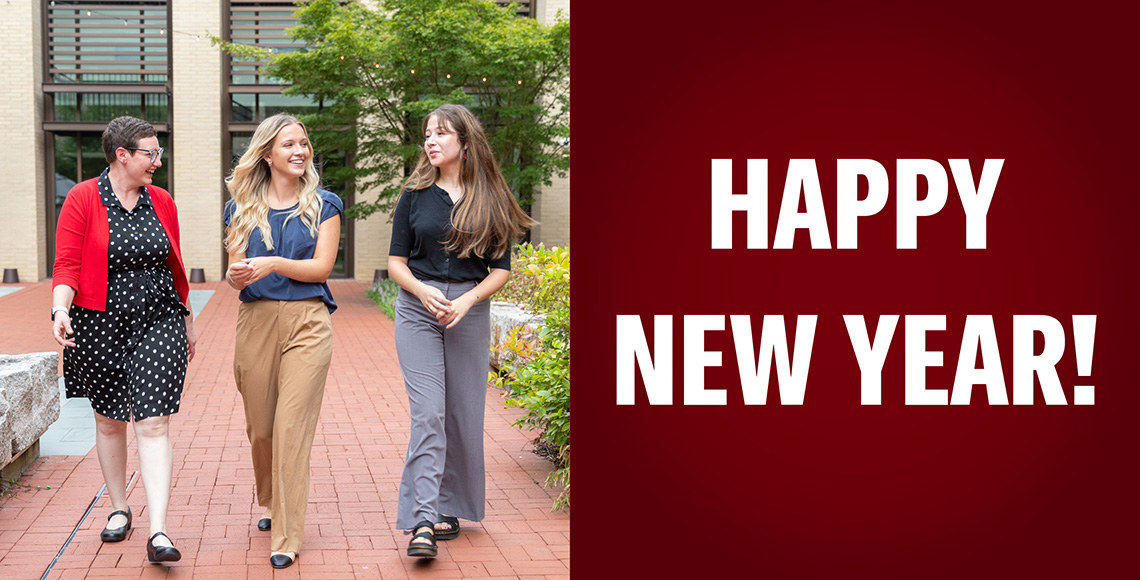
[377, 70]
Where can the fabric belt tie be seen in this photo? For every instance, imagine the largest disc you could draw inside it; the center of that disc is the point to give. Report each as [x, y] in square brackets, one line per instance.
[146, 301]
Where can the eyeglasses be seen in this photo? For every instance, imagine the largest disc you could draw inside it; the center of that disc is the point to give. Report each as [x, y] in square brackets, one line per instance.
[155, 154]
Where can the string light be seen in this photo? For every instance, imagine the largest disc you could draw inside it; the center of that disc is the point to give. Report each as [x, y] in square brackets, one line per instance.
[413, 71]
[448, 75]
[125, 22]
[484, 79]
[520, 82]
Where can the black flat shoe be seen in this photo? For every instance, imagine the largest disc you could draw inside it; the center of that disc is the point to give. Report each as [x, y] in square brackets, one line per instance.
[450, 531]
[117, 534]
[423, 549]
[162, 553]
[265, 524]
[281, 560]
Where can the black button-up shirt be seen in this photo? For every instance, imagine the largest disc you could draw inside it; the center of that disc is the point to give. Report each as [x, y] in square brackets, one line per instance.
[419, 232]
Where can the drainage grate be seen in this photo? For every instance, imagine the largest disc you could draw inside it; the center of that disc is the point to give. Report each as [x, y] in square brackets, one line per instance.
[90, 507]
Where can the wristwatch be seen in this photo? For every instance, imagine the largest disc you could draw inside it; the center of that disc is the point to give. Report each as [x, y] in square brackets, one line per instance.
[55, 309]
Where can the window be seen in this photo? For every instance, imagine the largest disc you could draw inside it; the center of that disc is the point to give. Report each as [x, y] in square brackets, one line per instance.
[103, 59]
[260, 24]
[102, 107]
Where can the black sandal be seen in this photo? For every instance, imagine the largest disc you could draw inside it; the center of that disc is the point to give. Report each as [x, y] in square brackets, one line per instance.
[422, 549]
[451, 531]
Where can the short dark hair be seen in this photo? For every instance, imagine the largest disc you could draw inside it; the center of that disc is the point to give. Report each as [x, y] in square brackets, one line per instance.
[124, 132]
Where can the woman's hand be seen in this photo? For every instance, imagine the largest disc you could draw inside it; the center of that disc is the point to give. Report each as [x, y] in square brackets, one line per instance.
[459, 308]
[238, 274]
[260, 267]
[61, 329]
[434, 301]
[191, 340]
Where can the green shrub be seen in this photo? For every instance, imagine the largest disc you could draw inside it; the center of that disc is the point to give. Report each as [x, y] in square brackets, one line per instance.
[534, 367]
[384, 295]
[540, 281]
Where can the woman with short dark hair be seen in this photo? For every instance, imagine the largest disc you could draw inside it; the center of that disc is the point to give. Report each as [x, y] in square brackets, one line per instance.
[121, 310]
[451, 250]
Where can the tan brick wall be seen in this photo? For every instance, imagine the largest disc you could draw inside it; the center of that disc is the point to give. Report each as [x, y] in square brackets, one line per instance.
[21, 116]
[552, 210]
[546, 9]
[196, 118]
[373, 235]
[552, 207]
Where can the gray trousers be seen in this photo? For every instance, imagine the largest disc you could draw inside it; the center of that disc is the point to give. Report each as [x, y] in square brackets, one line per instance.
[445, 374]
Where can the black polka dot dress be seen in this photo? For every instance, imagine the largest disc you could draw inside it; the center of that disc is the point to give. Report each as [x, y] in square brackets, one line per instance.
[130, 360]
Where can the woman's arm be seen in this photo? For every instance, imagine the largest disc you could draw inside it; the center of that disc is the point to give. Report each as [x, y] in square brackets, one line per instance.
[191, 335]
[315, 269]
[70, 237]
[61, 297]
[237, 273]
[482, 291]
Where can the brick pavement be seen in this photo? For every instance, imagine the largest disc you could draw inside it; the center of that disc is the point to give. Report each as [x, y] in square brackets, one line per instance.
[357, 459]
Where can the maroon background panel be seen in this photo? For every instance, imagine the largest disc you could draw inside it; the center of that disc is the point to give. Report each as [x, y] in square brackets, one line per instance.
[833, 489]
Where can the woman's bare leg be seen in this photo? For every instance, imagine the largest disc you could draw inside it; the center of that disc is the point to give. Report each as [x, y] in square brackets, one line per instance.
[156, 462]
[111, 447]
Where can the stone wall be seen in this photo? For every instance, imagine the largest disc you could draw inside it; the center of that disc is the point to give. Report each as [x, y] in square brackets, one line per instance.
[505, 317]
[29, 400]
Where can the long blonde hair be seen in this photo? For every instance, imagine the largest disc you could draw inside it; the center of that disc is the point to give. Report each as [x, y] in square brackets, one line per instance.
[487, 219]
[249, 184]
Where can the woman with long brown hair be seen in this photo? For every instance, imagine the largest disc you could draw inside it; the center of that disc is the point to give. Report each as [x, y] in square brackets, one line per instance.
[452, 233]
[282, 238]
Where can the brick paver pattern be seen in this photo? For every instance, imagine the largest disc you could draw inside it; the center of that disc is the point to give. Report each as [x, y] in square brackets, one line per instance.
[357, 459]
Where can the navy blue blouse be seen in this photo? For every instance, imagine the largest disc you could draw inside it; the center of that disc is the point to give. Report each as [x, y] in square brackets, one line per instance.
[291, 240]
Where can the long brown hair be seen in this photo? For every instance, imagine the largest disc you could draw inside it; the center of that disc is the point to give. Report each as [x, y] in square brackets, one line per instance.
[487, 219]
[249, 182]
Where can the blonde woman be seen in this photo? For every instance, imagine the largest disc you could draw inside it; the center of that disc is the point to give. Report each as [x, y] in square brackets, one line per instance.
[282, 240]
[451, 237]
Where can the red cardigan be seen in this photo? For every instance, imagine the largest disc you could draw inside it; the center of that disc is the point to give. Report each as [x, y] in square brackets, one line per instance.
[82, 239]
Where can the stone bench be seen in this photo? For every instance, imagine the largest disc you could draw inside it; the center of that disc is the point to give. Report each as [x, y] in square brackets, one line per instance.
[506, 316]
[29, 404]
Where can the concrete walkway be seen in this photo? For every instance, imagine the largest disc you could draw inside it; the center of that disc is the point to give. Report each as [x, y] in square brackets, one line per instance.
[357, 459]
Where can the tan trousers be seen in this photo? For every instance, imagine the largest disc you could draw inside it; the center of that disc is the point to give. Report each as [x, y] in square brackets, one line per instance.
[281, 361]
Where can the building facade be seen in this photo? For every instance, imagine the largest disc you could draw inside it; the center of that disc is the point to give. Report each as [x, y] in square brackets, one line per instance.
[69, 67]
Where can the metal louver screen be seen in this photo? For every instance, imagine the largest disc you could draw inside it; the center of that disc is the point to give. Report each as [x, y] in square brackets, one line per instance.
[108, 42]
[259, 24]
[525, 7]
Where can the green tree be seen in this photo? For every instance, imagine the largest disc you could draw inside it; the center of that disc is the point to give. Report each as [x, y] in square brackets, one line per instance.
[378, 71]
